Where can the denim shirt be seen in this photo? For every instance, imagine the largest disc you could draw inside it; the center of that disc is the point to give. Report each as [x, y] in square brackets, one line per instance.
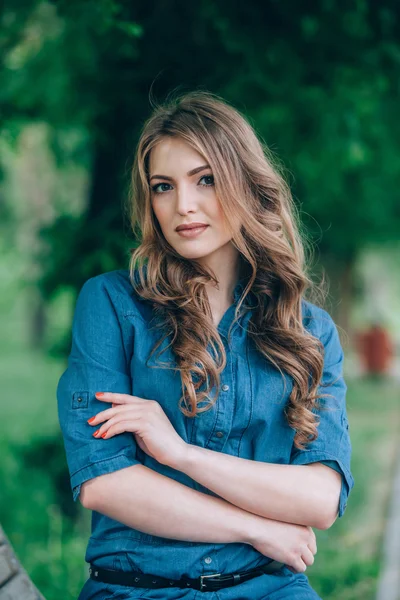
[112, 336]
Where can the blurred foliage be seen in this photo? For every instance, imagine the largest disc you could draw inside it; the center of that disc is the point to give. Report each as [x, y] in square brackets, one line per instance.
[318, 80]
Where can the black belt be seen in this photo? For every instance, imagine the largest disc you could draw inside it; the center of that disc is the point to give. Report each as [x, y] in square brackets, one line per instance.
[203, 583]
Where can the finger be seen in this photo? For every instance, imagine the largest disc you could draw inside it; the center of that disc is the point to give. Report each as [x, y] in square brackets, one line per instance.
[107, 414]
[307, 556]
[312, 540]
[102, 416]
[314, 536]
[113, 415]
[311, 532]
[299, 565]
[114, 419]
[117, 398]
[125, 415]
[120, 427]
[312, 544]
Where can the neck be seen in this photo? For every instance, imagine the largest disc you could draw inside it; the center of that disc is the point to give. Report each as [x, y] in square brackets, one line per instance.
[227, 267]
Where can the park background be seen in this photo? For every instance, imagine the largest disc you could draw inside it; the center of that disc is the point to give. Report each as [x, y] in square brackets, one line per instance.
[320, 82]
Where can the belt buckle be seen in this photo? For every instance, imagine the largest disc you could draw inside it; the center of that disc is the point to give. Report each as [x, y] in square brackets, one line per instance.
[206, 577]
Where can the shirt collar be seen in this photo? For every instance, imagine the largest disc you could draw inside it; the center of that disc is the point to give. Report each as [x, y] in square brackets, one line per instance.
[251, 299]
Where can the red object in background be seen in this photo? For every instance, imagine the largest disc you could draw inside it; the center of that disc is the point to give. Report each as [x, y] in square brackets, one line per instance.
[376, 349]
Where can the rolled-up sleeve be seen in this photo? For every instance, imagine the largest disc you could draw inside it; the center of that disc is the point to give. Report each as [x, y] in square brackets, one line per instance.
[98, 361]
[333, 445]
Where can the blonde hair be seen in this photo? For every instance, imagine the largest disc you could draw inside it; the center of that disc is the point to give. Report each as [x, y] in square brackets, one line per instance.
[252, 192]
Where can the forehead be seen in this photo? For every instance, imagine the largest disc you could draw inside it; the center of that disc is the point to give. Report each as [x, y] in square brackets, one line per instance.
[173, 155]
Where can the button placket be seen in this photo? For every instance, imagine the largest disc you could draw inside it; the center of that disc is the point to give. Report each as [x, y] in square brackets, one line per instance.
[223, 422]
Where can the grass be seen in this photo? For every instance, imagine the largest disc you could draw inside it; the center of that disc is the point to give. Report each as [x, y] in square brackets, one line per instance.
[49, 532]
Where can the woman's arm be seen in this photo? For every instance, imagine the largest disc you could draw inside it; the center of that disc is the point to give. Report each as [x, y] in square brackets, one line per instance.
[291, 493]
[305, 491]
[146, 500]
[153, 503]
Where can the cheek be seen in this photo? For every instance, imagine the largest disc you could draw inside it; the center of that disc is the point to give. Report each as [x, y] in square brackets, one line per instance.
[220, 219]
[161, 215]
[213, 209]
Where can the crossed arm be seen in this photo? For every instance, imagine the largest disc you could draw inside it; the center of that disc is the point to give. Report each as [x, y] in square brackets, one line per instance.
[300, 494]
[304, 495]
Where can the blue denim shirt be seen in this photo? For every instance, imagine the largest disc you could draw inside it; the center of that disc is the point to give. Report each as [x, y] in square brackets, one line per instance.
[111, 342]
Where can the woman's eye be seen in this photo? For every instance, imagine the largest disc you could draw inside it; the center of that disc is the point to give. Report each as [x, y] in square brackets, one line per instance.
[154, 188]
[205, 177]
[157, 191]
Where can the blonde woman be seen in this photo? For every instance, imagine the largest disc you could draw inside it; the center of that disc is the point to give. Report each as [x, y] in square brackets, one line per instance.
[203, 406]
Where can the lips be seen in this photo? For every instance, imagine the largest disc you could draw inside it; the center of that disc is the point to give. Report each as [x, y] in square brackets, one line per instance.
[191, 226]
[192, 232]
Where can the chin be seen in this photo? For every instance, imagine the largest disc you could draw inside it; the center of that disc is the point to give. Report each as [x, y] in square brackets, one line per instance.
[194, 255]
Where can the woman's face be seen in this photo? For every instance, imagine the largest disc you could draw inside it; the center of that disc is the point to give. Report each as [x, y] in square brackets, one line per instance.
[183, 192]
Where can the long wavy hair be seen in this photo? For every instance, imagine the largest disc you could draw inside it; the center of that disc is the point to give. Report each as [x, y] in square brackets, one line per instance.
[265, 226]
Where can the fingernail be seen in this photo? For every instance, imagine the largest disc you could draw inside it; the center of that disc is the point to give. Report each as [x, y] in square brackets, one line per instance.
[96, 432]
[90, 420]
[103, 435]
[99, 394]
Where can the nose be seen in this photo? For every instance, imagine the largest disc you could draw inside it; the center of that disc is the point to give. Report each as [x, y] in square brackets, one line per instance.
[185, 200]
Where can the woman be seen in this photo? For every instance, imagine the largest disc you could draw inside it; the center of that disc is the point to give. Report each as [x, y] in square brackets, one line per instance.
[203, 406]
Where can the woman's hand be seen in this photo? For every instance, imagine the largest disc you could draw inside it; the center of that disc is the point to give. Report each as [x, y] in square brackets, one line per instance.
[147, 421]
[293, 545]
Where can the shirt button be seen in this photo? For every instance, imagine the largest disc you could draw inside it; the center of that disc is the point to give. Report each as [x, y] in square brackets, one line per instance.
[225, 387]
[219, 434]
[208, 560]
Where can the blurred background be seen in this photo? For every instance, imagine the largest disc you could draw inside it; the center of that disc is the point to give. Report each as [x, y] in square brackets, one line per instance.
[320, 83]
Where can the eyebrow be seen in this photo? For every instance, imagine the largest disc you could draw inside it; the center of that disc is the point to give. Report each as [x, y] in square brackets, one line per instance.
[189, 173]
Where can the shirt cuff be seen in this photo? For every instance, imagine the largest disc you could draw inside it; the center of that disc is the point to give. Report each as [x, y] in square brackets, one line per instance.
[94, 468]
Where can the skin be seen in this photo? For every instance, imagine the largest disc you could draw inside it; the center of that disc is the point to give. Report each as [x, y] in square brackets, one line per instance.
[184, 198]
[301, 494]
[279, 503]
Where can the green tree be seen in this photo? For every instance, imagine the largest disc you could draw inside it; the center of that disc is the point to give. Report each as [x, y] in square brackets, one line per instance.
[318, 82]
